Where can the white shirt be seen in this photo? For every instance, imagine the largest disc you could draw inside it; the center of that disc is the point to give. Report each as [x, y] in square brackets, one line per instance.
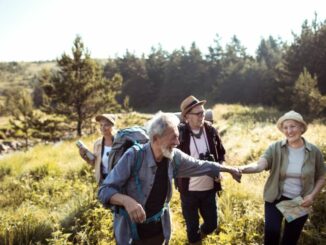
[200, 183]
[105, 159]
[292, 183]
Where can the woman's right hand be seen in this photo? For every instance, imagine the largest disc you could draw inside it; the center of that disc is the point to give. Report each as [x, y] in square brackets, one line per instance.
[82, 153]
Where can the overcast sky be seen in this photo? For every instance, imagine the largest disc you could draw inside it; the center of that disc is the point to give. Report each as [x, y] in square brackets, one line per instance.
[32, 30]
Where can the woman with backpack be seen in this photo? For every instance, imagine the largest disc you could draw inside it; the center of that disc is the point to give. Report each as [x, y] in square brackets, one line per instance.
[102, 147]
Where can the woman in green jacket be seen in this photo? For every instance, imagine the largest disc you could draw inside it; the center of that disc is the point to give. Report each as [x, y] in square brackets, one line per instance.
[296, 170]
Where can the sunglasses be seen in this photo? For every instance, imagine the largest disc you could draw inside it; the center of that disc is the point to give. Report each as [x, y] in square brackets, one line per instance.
[199, 114]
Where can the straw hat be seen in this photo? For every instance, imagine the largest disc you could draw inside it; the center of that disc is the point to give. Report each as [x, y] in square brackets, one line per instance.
[110, 117]
[189, 103]
[291, 115]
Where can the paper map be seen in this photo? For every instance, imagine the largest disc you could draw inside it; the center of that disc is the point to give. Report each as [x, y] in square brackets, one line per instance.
[292, 209]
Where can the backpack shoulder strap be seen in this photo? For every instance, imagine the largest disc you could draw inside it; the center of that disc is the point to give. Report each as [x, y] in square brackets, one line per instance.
[176, 166]
[182, 131]
[138, 148]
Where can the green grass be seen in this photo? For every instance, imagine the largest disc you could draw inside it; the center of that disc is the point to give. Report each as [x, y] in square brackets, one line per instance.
[48, 194]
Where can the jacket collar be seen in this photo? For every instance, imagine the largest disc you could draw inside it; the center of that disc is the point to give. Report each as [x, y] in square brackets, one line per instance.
[148, 155]
[307, 145]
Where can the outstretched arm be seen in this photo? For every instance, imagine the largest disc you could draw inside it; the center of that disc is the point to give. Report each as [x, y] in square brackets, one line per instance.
[190, 167]
[235, 172]
[255, 167]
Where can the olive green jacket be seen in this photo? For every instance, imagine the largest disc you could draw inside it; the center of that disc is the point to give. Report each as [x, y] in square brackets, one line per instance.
[277, 158]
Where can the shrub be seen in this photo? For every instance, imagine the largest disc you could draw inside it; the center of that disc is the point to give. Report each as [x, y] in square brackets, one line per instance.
[4, 171]
[27, 225]
[93, 225]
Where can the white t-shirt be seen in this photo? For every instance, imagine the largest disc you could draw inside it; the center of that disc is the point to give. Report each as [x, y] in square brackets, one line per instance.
[292, 183]
[105, 159]
[200, 183]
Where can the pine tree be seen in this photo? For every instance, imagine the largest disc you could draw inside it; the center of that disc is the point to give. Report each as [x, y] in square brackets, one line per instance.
[79, 89]
[23, 115]
[307, 98]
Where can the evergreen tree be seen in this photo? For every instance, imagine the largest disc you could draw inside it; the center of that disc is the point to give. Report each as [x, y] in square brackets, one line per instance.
[306, 97]
[214, 66]
[185, 74]
[173, 89]
[264, 85]
[307, 50]
[156, 65]
[136, 84]
[235, 63]
[23, 116]
[39, 97]
[78, 88]
[50, 127]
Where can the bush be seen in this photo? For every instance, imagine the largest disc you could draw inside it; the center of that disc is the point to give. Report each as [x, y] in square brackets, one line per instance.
[315, 229]
[4, 170]
[93, 225]
[38, 173]
[25, 226]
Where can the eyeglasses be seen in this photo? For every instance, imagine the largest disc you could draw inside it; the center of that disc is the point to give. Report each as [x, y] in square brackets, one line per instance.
[198, 114]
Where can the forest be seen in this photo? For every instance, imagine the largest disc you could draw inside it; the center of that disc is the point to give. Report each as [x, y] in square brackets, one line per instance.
[77, 86]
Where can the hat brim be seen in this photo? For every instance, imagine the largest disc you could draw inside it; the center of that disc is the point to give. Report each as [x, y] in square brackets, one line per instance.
[184, 113]
[282, 119]
[101, 117]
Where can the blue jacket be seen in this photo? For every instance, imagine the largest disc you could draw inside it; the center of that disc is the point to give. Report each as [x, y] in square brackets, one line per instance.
[120, 181]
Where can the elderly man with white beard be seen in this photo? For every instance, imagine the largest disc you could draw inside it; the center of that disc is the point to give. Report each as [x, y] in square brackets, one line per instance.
[142, 213]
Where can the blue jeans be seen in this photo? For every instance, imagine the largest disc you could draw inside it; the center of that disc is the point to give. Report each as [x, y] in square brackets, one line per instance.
[205, 203]
[273, 225]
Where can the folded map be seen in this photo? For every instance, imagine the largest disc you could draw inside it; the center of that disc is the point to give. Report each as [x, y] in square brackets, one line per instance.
[292, 209]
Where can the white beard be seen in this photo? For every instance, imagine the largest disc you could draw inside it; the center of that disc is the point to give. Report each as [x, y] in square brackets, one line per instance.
[167, 153]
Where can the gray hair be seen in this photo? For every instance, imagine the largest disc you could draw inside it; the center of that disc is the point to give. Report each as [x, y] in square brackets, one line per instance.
[160, 122]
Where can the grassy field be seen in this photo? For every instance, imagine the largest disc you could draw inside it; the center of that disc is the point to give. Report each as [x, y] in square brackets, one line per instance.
[48, 194]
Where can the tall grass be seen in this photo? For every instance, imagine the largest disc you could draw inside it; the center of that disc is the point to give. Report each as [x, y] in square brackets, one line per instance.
[48, 194]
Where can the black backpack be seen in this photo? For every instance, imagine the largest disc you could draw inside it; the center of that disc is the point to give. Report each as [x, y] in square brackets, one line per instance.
[123, 140]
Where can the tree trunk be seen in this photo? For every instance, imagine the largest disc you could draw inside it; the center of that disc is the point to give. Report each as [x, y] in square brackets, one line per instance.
[26, 142]
[79, 128]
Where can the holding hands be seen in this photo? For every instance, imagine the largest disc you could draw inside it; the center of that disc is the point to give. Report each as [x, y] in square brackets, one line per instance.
[236, 174]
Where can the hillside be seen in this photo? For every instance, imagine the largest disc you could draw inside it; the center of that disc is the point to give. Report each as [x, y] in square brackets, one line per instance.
[48, 194]
[15, 74]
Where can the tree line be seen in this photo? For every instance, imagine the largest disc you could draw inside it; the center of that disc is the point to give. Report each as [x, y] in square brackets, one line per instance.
[281, 75]
[78, 87]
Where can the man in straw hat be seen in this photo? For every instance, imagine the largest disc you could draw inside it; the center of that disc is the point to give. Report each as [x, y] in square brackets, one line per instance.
[199, 139]
[296, 171]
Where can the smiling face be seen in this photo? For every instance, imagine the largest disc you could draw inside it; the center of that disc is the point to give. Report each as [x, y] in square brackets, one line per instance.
[196, 117]
[168, 141]
[292, 130]
[105, 127]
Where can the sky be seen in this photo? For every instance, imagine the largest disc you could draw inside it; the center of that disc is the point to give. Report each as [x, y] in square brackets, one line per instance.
[40, 30]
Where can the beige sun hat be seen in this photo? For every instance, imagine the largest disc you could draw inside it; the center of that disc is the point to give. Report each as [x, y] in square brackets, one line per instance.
[110, 117]
[291, 115]
[188, 103]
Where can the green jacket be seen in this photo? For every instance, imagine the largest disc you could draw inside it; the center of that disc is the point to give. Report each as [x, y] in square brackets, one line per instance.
[277, 158]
